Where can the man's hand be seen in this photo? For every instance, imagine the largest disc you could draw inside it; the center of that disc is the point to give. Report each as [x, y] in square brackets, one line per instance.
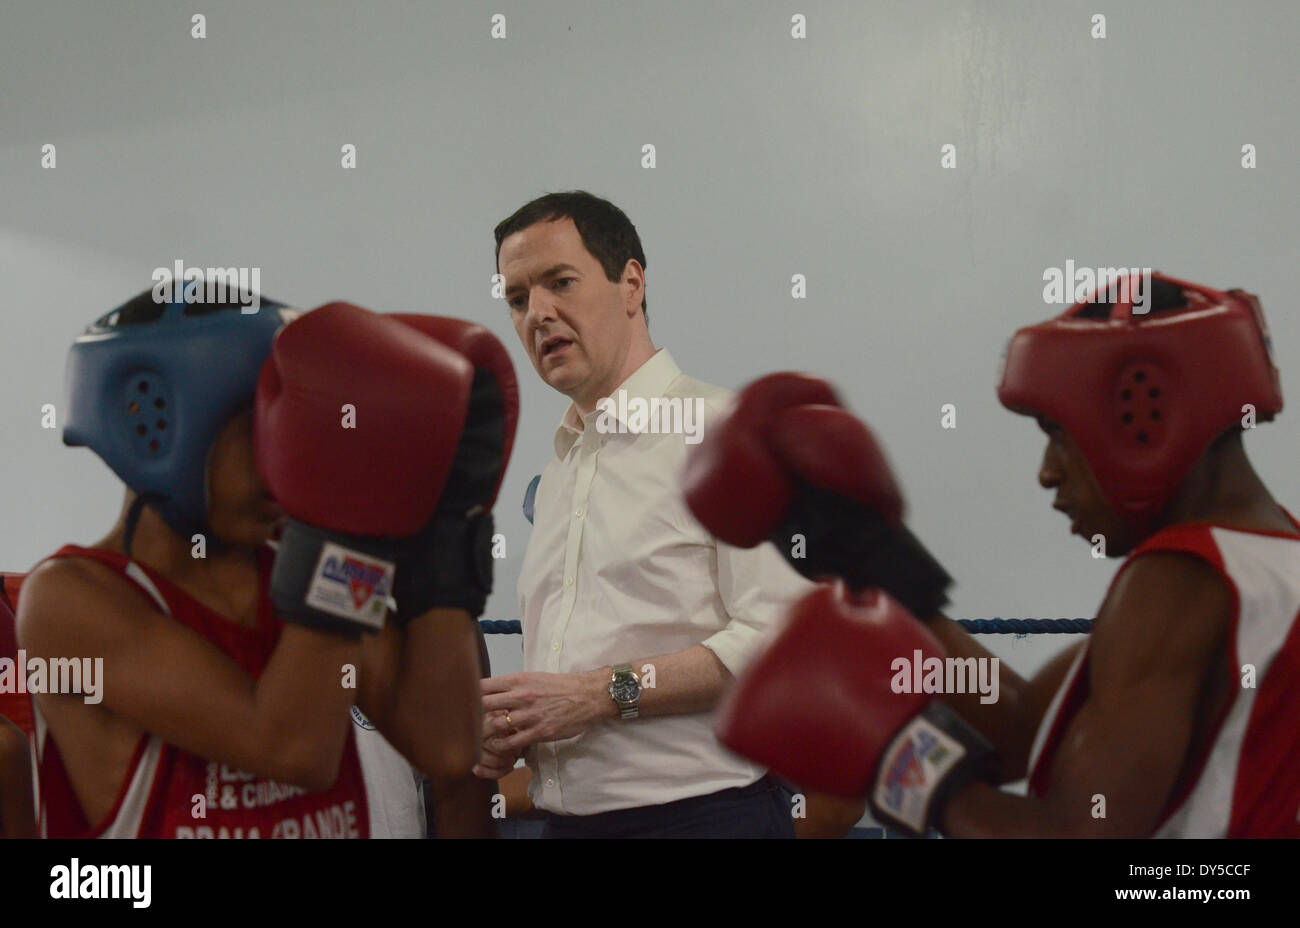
[495, 758]
[521, 709]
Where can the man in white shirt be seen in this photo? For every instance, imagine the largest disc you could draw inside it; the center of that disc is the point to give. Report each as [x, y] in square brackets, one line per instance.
[635, 618]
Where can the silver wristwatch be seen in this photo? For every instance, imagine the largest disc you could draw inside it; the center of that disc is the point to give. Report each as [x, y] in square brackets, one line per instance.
[625, 690]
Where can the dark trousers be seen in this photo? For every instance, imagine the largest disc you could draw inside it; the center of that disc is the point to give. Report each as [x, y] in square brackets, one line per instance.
[760, 810]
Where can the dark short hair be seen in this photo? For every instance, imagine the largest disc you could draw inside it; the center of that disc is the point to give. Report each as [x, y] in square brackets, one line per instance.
[607, 233]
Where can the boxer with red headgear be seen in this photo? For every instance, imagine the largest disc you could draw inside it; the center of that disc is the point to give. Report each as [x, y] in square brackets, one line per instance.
[1178, 716]
[1142, 396]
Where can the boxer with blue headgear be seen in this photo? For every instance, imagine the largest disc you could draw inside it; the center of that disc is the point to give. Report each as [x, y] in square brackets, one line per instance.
[150, 386]
[221, 660]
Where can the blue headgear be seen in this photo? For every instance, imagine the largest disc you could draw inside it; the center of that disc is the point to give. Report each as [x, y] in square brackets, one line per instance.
[150, 385]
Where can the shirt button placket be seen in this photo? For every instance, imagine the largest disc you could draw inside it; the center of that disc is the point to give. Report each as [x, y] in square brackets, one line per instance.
[573, 544]
[550, 767]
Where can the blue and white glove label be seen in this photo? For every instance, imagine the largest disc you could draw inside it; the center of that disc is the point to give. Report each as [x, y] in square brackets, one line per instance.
[351, 585]
[912, 769]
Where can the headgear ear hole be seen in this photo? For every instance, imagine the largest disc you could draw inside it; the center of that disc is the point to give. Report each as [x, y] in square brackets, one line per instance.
[149, 434]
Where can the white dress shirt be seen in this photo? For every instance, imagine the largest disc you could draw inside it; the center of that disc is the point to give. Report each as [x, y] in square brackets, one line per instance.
[618, 570]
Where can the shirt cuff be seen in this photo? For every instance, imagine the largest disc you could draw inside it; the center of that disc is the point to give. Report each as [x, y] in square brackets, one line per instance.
[735, 645]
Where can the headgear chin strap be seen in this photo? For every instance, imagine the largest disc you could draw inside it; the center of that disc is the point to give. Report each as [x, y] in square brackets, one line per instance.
[1143, 395]
[151, 386]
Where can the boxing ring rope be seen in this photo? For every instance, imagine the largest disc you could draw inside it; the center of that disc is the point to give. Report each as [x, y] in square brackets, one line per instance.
[994, 626]
[997, 626]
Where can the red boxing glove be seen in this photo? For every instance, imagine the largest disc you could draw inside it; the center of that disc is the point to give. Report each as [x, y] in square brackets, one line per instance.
[450, 563]
[357, 425]
[820, 707]
[494, 406]
[355, 420]
[787, 461]
[740, 479]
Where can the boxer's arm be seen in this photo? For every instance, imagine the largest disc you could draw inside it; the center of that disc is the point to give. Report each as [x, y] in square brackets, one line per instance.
[420, 687]
[1011, 723]
[514, 789]
[828, 816]
[1154, 645]
[288, 725]
[17, 814]
[462, 806]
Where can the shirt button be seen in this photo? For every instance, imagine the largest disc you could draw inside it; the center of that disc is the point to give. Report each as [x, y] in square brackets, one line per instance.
[568, 581]
[578, 512]
[555, 647]
[550, 782]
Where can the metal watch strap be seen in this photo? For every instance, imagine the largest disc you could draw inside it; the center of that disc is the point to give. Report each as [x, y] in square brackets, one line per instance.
[626, 710]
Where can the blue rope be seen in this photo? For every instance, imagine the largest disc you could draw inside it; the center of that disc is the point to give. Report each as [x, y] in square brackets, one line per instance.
[975, 626]
[1026, 626]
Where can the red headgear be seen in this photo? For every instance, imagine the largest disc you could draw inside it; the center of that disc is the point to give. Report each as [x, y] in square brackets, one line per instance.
[1144, 395]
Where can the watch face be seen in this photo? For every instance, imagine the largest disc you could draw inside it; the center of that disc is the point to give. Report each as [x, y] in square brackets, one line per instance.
[624, 689]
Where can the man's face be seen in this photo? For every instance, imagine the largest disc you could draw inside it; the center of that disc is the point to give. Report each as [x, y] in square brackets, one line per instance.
[574, 323]
[1065, 470]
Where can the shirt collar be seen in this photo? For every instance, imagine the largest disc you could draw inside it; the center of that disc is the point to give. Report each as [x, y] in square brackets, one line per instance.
[653, 378]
